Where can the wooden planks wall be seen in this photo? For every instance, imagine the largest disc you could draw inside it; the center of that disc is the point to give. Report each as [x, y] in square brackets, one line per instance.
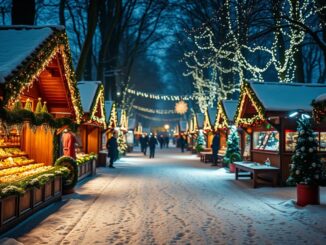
[38, 145]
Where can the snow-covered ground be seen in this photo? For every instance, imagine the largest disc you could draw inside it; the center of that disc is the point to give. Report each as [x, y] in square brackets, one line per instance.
[174, 199]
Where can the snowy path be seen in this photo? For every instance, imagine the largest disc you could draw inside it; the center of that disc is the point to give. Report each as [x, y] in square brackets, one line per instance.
[174, 199]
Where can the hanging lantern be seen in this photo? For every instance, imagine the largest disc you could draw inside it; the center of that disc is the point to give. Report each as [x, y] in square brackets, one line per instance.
[181, 107]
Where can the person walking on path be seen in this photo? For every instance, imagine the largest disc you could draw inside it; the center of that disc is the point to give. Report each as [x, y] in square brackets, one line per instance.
[215, 147]
[182, 143]
[166, 141]
[152, 144]
[145, 141]
[112, 146]
[141, 141]
[161, 141]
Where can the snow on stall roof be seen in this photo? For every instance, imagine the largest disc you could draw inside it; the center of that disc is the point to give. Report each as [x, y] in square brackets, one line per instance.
[287, 97]
[321, 98]
[230, 107]
[131, 123]
[108, 107]
[183, 125]
[17, 45]
[200, 119]
[212, 114]
[87, 91]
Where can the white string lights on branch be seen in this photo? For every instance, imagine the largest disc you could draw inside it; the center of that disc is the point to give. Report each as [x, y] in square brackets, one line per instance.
[159, 96]
[219, 67]
[153, 111]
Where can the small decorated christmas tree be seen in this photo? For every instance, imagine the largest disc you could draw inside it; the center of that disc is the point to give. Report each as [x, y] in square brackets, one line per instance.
[232, 144]
[122, 145]
[28, 105]
[200, 143]
[306, 167]
[38, 106]
[44, 108]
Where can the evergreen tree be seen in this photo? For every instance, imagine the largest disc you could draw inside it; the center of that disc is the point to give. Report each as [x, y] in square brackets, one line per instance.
[38, 106]
[200, 142]
[122, 145]
[232, 143]
[306, 167]
[28, 105]
[44, 108]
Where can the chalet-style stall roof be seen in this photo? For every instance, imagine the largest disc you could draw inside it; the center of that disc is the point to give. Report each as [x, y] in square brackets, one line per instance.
[35, 62]
[111, 114]
[209, 118]
[267, 101]
[92, 99]
[226, 112]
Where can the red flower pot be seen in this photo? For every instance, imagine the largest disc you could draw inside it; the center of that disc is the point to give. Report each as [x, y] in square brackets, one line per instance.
[307, 194]
[231, 167]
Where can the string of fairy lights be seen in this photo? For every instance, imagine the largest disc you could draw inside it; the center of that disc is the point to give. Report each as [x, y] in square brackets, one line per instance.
[159, 96]
[153, 111]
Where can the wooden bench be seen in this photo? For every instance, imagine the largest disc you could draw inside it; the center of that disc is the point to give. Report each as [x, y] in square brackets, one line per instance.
[206, 157]
[257, 172]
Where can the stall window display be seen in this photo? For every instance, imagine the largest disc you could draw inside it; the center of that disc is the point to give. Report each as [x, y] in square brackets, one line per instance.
[291, 139]
[266, 140]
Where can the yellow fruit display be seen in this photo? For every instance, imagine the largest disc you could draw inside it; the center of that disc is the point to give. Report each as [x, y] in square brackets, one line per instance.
[28, 171]
[9, 152]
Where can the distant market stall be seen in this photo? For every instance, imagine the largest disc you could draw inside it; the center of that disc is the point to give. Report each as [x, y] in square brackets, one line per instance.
[111, 119]
[224, 121]
[38, 95]
[263, 112]
[92, 126]
[209, 122]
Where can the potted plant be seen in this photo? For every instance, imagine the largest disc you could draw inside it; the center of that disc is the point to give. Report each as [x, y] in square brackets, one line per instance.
[306, 169]
[233, 150]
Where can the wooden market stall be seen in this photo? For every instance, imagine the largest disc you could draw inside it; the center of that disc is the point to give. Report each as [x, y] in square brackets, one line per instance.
[225, 119]
[111, 125]
[209, 122]
[263, 112]
[37, 89]
[92, 126]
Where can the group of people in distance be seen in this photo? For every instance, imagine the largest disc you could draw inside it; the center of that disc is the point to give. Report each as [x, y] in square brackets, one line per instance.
[151, 142]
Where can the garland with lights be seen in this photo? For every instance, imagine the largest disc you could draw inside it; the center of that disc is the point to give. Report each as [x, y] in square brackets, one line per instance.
[159, 96]
[124, 120]
[221, 121]
[99, 101]
[113, 119]
[207, 123]
[30, 69]
[247, 91]
[153, 111]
